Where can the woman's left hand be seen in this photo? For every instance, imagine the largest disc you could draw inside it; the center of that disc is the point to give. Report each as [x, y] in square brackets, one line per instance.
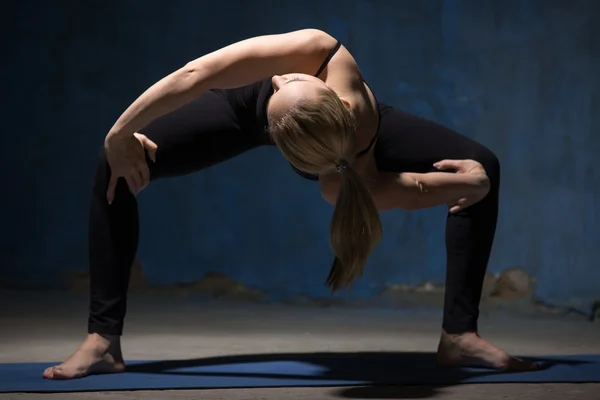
[465, 167]
[461, 166]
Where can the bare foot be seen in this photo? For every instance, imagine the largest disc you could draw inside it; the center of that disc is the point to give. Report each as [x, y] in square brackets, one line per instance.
[468, 349]
[99, 354]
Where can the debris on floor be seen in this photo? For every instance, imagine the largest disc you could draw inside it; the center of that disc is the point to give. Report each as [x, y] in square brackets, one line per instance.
[220, 286]
[79, 281]
[513, 284]
[213, 284]
[489, 285]
[426, 294]
[325, 302]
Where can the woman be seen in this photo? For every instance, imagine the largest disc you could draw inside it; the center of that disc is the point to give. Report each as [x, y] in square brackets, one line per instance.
[303, 92]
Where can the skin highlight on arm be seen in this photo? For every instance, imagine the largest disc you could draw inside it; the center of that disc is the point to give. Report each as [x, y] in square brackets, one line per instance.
[414, 191]
[232, 66]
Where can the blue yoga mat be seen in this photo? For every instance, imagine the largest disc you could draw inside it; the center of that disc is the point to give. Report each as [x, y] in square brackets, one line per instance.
[295, 370]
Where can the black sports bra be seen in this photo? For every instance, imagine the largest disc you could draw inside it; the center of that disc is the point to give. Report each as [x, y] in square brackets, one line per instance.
[360, 153]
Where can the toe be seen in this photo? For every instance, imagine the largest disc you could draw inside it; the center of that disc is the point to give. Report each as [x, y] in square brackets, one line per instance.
[48, 373]
[517, 364]
[57, 373]
[533, 366]
[60, 373]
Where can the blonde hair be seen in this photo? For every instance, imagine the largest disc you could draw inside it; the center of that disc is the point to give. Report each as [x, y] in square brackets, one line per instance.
[319, 135]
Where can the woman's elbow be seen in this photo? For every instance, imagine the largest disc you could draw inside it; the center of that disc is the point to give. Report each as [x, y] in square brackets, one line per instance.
[197, 74]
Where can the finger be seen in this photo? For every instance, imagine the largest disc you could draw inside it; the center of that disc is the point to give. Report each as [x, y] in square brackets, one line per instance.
[448, 164]
[136, 174]
[422, 188]
[453, 207]
[145, 175]
[139, 180]
[112, 184]
[151, 147]
[452, 203]
[131, 183]
[460, 205]
[456, 208]
[148, 145]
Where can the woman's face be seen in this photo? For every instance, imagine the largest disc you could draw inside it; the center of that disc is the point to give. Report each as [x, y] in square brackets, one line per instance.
[290, 88]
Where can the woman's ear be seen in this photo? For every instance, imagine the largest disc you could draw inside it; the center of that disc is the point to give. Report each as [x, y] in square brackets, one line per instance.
[346, 103]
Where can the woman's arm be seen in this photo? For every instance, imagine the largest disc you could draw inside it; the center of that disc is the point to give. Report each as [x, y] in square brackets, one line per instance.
[235, 65]
[414, 191]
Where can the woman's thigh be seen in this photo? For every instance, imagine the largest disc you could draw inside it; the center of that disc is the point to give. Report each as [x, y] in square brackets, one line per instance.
[408, 143]
[202, 133]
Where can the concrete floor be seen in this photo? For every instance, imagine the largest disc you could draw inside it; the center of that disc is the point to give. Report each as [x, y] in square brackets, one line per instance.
[49, 326]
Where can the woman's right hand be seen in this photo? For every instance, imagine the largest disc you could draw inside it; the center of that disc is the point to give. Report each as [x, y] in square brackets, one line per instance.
[127, 159]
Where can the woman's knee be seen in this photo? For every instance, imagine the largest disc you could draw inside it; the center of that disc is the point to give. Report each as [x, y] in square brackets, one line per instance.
[102, 172]
[490, 163]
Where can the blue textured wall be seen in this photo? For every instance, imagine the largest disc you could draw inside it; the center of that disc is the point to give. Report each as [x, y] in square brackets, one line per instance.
[520, 76]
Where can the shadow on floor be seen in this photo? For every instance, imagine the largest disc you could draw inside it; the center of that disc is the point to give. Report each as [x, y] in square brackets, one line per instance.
[382, 375]
[388, 392]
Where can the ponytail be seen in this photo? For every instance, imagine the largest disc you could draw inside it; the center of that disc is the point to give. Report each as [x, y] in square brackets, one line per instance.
[355, 229]
[313, 135]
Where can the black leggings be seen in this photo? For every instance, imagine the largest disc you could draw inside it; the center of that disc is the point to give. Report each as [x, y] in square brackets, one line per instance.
[208, 131]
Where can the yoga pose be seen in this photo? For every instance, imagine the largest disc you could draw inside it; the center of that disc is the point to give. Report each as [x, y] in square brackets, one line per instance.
[302, 92]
